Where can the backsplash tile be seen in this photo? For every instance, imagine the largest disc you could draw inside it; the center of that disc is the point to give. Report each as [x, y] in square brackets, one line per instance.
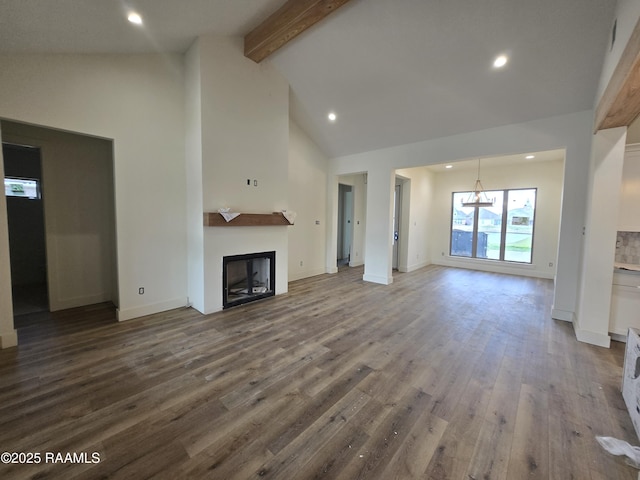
[628, 247]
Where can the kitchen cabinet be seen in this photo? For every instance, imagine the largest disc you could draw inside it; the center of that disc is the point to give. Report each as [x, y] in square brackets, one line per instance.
[625, 302]
[628, 212]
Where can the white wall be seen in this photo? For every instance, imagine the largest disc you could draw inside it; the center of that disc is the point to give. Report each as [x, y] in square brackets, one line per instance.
[417, 214]
[77, 181]
[545, 176]
[626, 16]
[379, 235]
[8, 334]
[592, 321]
[633, 132]
[308, 198]
[193, 154]
[571, 132]
[138, 101]
[245, 135]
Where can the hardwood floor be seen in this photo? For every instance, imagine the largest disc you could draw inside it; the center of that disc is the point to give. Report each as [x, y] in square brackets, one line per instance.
[445, 374]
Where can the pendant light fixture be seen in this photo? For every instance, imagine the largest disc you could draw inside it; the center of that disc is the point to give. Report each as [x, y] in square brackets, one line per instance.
[478, 198]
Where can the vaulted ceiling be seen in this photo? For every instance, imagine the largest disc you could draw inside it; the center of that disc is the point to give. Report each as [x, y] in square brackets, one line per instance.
[394, 72]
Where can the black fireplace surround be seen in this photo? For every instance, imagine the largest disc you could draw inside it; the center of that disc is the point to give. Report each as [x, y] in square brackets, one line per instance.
[249, 277]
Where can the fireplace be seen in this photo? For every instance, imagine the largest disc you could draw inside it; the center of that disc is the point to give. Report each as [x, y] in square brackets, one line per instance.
[246, 278]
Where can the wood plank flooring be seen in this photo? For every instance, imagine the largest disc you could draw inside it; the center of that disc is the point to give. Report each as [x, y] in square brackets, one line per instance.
[445, 374]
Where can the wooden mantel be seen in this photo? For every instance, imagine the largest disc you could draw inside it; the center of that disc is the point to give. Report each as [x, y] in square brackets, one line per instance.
[214, 219]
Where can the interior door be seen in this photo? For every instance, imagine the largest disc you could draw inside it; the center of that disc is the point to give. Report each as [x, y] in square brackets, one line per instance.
[345, 223]
[396, 224]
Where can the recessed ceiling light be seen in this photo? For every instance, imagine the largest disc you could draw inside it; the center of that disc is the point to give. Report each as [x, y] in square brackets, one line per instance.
[448, 166]
[332, 117]
[529, 157]
[133, 17]
[500, 61]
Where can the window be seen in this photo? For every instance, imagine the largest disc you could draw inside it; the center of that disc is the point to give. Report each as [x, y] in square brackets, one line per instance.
[503, 231]
[21, 187]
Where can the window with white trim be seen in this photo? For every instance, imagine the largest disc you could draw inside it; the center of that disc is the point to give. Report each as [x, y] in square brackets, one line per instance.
[503, 231]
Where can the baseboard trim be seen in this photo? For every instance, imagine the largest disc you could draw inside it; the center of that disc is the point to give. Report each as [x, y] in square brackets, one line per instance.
[136, 312]
[494, 266]
[293, 276]
[592, 338]
[564, 315]
[618, 337]
[412, 268]
[377, 279]
[65, 304]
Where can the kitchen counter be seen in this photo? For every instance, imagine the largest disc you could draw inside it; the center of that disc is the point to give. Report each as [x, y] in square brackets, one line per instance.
[626, 274]
[626, 267]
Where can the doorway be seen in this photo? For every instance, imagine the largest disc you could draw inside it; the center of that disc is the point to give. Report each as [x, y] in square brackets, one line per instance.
[397, 213]
[345, 224]
[72, 260]
[25, 218]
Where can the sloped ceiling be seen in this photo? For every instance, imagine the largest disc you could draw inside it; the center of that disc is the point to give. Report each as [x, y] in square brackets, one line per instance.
[394, 72]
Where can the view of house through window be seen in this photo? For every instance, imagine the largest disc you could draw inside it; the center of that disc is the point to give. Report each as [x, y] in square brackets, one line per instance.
[503, 231]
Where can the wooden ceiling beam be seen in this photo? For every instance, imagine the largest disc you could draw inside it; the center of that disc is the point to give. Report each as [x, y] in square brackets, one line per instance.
[289, 21]
[620, 103]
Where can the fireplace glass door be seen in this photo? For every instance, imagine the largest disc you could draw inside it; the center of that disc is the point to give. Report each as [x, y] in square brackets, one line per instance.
[248, 277]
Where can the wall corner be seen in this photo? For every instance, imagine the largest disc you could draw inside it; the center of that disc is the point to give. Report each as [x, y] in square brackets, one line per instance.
[9, 339]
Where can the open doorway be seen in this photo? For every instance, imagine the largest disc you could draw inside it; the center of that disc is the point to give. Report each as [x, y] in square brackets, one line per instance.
[345, 224]
[400, 223]
[350, 218]
[397, 212]
[25, 218]
[63, 250]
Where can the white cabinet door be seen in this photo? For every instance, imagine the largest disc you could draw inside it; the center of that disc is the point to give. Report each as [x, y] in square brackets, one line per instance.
[625, 309]
[629, 211]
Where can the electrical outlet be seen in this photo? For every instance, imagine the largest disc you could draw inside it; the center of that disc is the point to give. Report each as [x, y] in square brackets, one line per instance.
[141, 291]
[248, 182]
[300, 262]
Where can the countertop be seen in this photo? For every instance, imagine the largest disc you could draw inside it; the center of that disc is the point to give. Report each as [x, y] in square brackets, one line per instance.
[631, 267]
[626, 274]
[626, 267]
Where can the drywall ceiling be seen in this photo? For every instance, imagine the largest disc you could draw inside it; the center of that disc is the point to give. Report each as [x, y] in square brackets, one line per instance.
[394, 72]
[101, 26]
[497, 162]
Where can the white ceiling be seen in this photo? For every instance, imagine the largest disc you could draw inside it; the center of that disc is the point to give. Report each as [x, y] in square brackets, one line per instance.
[497, 162]
[394, 71]
[100, 26]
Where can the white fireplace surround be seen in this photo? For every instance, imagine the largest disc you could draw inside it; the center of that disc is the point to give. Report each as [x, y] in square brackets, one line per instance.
[224, 242]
